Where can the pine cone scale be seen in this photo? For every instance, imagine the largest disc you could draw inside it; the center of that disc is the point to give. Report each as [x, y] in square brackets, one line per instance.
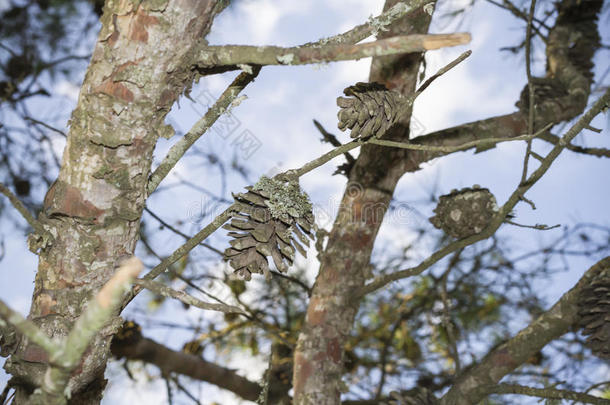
[272, 218]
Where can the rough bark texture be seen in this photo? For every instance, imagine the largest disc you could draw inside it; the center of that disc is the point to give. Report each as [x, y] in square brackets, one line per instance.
[474, 385]
[139, 67]
[344, 263]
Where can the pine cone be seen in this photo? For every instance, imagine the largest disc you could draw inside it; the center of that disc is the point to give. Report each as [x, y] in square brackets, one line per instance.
[594, 314]
[465, 212]
[271, 213]
[416, 396]
[371, 110]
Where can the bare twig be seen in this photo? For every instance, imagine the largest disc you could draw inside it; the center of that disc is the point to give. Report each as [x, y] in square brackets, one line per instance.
[178, 232]
[530, 86]
[446, 317]
[332, 139]
[598, 152]
[181, 296]
[375, 24]
[549, 393]
[47, 126]
[442, 71]
[538, 227]
[452, 149]
[22, 209]
[230, 55]
[182, 250]
[500, 217]
[518, 13]
[220, 107]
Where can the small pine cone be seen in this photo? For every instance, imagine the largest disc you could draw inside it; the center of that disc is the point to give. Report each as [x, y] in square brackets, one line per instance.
[465, 212]
[416, 396]
[270, 214]
[370, 110]
[594, 314]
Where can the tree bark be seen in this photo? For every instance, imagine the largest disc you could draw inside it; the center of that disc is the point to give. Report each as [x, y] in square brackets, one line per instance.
[139, 67]
[344, 263]
[562, 95]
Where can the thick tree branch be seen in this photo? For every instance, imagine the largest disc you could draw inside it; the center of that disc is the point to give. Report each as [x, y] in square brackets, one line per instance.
[66, 354]
[170, 361]
[140, 66]
[481, 380]
[372, 27]
[100, 310]
[11, 318]
[563, 93]
[231, 55]
[515, 197]
[318, 357]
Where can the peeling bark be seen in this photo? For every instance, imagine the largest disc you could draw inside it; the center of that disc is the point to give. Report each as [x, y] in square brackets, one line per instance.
[330, 315]
[93, 210]
[345, 261]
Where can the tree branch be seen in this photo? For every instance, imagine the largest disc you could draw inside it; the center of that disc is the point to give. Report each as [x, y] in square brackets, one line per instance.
[221, 106]
[170, 361]
[499, 218]
[481, 379]
[232, 55]
[461, 147]
[181, 296]
[63, 361]
[549, 393]
[598, 152]
[65, 355]
[25, 213]
[181, 251]
[374, 25]
[353, 36]
[10, 317]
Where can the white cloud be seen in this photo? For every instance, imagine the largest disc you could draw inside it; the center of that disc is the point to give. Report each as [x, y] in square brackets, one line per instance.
[67, 89]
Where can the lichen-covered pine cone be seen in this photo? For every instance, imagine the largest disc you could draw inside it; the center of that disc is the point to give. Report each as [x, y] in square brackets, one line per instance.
[465, 212]
[272, 216]
[370, 109]
[594, 314]
[416, 396]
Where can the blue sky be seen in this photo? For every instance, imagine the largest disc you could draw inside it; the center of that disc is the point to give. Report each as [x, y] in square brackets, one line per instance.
[283, 101]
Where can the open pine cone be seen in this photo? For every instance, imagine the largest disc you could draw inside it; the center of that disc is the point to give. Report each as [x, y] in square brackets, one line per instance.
[594, 314]
[370, 110]
[465, 212]
[270, 215]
